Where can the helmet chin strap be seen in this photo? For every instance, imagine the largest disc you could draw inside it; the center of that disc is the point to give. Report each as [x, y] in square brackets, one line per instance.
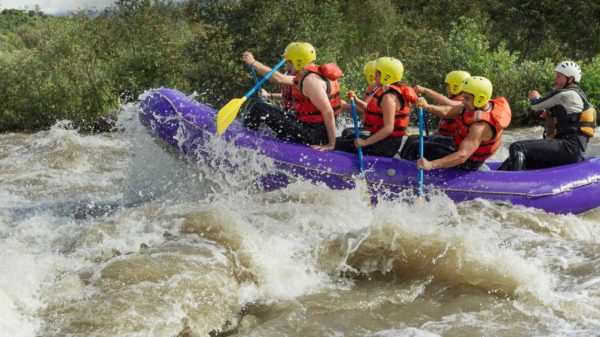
[569, 81]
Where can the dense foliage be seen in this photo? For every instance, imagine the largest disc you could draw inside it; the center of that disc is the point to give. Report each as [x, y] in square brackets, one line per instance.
[79, 66]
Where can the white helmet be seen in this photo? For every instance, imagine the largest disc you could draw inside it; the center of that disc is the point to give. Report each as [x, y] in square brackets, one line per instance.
[569, 69]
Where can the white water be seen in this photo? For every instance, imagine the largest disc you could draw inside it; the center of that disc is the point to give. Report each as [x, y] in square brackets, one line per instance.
[109, 235]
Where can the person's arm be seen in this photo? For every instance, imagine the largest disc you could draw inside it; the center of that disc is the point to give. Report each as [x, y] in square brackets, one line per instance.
[389, 105]
[442, 111]
[539, 103]
[438, 98]
[477, 133]
[315, 89]
[271, 96]
[361, 105]
[569, 99]
[277, 77]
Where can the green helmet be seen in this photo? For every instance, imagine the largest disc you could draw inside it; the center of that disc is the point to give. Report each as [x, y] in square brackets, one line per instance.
[454, 80]
[300, 54]
[369, 71]
[480, 87]
[391, 70]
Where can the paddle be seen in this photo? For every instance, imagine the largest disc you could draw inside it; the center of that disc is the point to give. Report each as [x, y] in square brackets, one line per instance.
[227, 114]
[361, 162]
[426, 124]
[420, 192]
[253, 71]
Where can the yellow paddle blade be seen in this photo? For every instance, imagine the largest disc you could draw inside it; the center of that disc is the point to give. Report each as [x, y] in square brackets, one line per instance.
[227, 114]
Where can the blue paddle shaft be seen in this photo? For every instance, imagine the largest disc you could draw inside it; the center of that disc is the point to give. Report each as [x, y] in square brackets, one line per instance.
[253, 71]
[361, 161]
[264, 79]
[421, 149]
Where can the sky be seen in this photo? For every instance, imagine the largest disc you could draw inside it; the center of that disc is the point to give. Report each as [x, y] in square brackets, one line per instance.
[56, 6]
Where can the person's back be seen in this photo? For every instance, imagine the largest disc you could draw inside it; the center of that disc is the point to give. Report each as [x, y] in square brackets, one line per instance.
[316, 99]
[317, 79]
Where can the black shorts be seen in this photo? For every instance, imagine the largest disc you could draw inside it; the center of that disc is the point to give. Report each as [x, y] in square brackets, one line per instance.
[285, 125]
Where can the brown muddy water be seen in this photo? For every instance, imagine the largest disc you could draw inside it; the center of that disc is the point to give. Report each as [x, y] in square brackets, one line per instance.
[109, 235]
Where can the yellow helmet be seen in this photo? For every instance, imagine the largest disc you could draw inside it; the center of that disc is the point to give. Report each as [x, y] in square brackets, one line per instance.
[291, 44]
[391, 70]
[300, 54]
[480, 87]
[454, 80]
[369, 72]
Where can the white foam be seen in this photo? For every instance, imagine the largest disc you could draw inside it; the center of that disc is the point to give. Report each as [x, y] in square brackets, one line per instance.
[286, 244]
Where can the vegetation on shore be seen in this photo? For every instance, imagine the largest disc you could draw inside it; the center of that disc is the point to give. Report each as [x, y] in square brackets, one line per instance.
[79, 66]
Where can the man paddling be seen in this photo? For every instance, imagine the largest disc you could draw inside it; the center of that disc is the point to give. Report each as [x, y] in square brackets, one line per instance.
[316, 99]
[447, 126]
[480, 122]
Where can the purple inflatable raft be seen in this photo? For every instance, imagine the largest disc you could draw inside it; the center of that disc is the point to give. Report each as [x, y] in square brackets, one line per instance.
[186, 125]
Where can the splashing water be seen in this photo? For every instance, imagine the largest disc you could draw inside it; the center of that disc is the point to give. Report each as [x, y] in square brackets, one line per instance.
[111, 235]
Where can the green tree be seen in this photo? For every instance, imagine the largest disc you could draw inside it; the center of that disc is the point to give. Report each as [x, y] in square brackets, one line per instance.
[78, 66]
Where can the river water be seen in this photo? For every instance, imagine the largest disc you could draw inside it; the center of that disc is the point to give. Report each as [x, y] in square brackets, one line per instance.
[110, 235]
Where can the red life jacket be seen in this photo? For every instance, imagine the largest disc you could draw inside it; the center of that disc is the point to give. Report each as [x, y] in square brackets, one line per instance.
[374, 114]
[369, 91]
[305, 110]
[498, 118]
[287, 95]
[374, 98]
[447, 126]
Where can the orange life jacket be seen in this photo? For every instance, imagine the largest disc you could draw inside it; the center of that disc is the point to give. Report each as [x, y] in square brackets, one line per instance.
[374, 114]
[498, 118]
[447, 126]
[305, 110]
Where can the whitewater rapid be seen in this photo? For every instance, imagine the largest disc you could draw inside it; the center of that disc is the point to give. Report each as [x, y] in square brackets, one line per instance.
[111, 235]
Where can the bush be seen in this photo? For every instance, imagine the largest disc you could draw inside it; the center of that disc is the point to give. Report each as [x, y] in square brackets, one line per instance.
[79, 66]
[58, 76]
[590, 81]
